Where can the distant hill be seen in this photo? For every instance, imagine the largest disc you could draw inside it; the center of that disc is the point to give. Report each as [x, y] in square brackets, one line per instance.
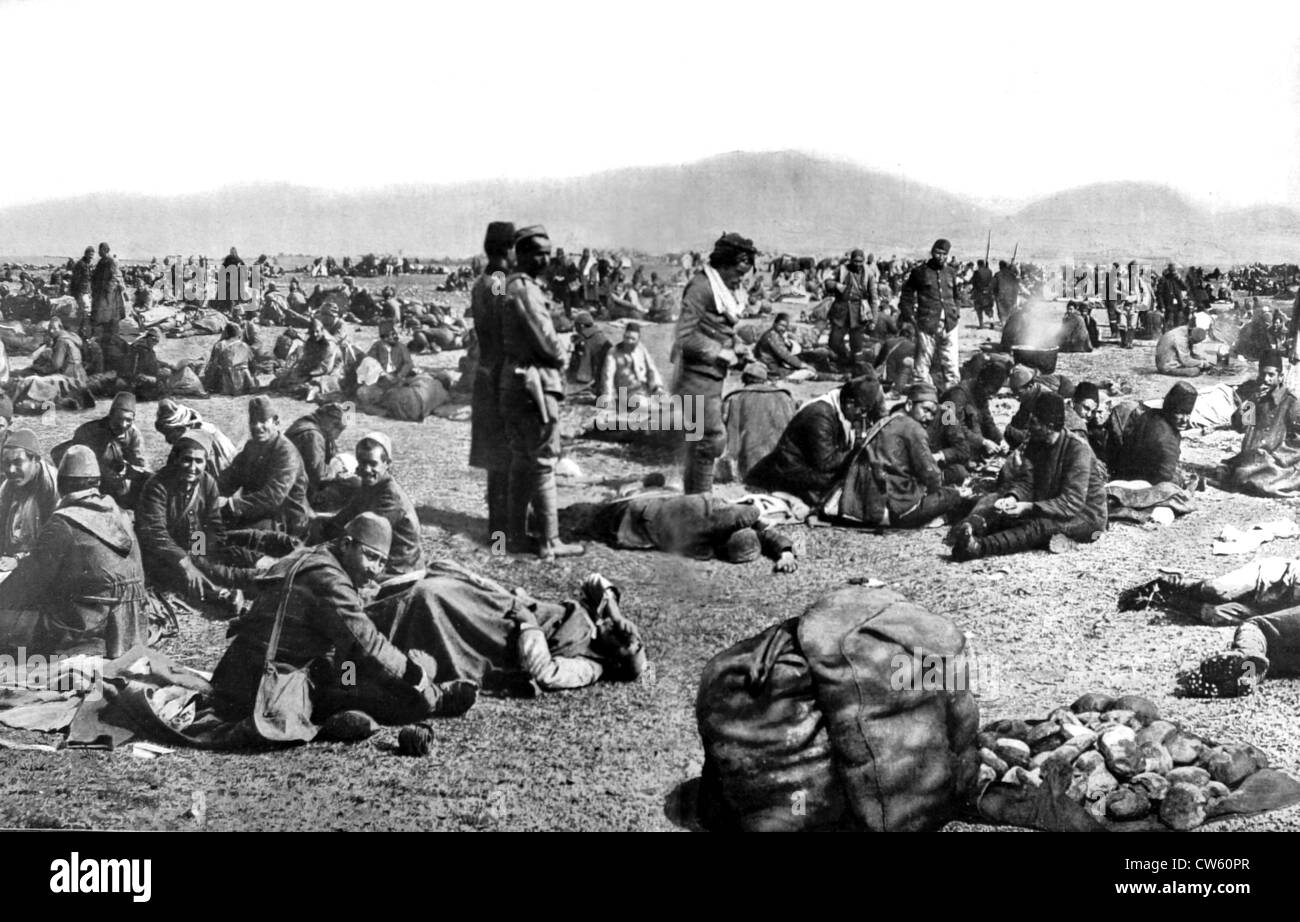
[786, 201]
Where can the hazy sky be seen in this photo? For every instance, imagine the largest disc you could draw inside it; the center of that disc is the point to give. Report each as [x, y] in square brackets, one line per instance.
[1002, 101]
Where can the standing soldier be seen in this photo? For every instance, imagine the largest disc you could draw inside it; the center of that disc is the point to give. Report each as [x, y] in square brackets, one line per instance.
[852, 286]
[1007, 287]
[981, 288]
[107, 287]
[487, 439]
[79, 288]
[928, 301]
[704, 348]
[530, 388]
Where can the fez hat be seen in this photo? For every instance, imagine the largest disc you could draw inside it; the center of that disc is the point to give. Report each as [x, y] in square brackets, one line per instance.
[921, 392]
[942, 245]
[530, 232]
[125, 400]
[1021, 375]
[499, 236]
[1065, 387]
[380, 439]
[756, 371]
[1181, 398]
[992, 376]
[1049, 409]
[744, 546]
[339, 409]
[196, 437]
[260, 408]
[24, 439]
[863, 391]
[371, 531]
[79, 461]
[583, 318]
[1197, 335]
[1271, 359]
[172, 414]
[1086, 390]
[856, 253]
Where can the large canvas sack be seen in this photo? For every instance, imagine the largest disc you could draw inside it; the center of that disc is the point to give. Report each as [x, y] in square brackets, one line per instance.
[416, 399]
[767, 755]
[905, 752]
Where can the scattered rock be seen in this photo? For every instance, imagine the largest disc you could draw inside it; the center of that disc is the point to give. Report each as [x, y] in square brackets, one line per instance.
[1064, 717]
[1117, 716]
[990, 758]
[1144, 708]
[1089, 762]
[1093, 701]
[1188, 774]
[1089, 718]
[1039, 759]
[1231, 766]
[1009, 729]
[1118, 746]
[1184, 748]
[986, 740]
[1155, 758]
[986, 775]
[1099, 784]
[1128, 803]
[1066, 753]
[1043, 731]
[1156, 732]
[1079, 736]
[1183, 806]
[1013, 752]
[1156, 786]
[1216, 790]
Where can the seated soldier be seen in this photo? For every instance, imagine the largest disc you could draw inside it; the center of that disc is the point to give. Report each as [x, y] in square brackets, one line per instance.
[697, 525]
[58, 376]
[905, 467]
[1027, 386]
[587, 362]
[1087, 406]
[629, 371]
[474, 629]
[1269, 416]
[624, 302]
[317, 368]
[145, 373]
[755, 415]
[81, 589]
[116, 443]
[28, 494]
[1150, 445]
[438, 330]
[393, 358]
[963, 431]
[316, 437]
[1176, 353]
[1053, 494]
[175, 419]
[778, 350]
[325, 627]
[227, 372]
[265, 486]
[182, 535]
[382, 495]
[1259, 599]
[810, 456]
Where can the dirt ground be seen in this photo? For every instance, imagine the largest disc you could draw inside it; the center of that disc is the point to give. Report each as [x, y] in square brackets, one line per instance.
[1045, 628]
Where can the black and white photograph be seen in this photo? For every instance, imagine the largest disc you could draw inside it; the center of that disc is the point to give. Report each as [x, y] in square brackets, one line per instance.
[673, 417]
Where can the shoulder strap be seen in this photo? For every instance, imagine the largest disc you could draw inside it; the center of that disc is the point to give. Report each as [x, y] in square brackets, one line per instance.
[273, 645]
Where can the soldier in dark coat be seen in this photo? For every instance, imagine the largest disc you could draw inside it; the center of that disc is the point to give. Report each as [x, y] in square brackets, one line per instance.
[530, 389]
[928, 301]
[704, 349]
[853, 287]
[809, 459]
[107, 287]
[352, 665]
[28, 494]
[1051, 494]
[1152, 442]
[773, 349]
[1006, 288]
[80, 289]
[316, 437]
[981, 289]
[963, 430]
[265, 486]
[81, 590]
[1269, 416]
[906, 467]
[381, 494]
[487, 439]
[117, 446]
[756, 414]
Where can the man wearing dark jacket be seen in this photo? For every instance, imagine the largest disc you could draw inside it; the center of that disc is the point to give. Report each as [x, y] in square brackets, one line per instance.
[28, 495]
[755, 415]
[853, 288]
[907, 469]
[1053, 494]
[326, 628]
[1007, 289]
[963, 430]
[981, 289]
[1152, 441]
[773, 349]
[487, 433]
[381, 494]
[81, 590]
[116, 443]
[704, 349]
[107, 287]
[265, 486]
[79, 288]
[810, 456]
[316, 438]
[928, 301]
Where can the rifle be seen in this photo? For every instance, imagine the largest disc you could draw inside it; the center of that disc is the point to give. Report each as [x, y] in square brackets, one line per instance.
[1015, 251]
[988, 245]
